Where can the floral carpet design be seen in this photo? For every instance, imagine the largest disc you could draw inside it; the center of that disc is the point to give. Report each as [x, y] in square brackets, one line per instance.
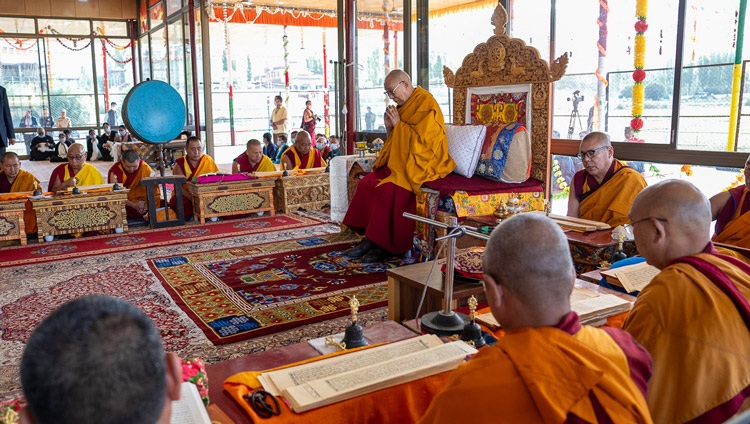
[235, 294]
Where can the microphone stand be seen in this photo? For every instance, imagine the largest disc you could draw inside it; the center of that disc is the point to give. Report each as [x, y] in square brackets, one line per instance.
[447, 322]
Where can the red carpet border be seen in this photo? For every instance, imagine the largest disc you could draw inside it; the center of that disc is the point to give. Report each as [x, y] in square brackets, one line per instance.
[235, 294]
[144, 239]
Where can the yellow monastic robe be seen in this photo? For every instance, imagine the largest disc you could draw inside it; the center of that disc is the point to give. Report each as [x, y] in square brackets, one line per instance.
[137, 191]
[736, 231]
[266, 165]
[417, 150]
[536, 375]
[23, 183]
[697, 339]
[611, 202]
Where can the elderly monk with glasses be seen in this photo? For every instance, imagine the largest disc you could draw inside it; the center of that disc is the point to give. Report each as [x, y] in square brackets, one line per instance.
[694, 316]
[604, 190]
[415, 152]
[75, 172]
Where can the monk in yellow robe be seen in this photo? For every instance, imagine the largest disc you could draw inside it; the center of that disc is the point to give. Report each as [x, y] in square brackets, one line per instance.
[76, 172]
[548, 368]
[252, 159]
[194, 164]
[731, 210]
[694, 316]
[13, 179]
[301, 155]
[129, 171]
[415, 152]
[604, 190]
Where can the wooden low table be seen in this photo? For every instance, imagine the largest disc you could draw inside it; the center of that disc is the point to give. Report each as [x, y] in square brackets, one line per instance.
[12, 225]
[405, 286]
[232, 198]
[78, 213]
[309, 192]
[382, 332]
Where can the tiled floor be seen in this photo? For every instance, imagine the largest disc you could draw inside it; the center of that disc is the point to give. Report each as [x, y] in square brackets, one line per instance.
[43, 169]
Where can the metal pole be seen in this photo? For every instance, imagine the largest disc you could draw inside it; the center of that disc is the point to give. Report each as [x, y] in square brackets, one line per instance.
[449, 269]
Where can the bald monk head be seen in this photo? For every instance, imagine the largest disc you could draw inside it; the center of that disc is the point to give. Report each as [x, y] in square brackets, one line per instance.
[11, 166]
[670, 220]
[398, 86]
[528, 272]
[596, 154]
[76, 156]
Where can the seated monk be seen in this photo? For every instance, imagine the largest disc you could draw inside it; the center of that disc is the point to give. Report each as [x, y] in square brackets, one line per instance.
[415, 152]
[75, 172]
[731, 210]
[13, 179]
[129, 171]
[693, 316]
[252, 160]
[548, 367]
[301, 155]
[194, 164]
[605, 188]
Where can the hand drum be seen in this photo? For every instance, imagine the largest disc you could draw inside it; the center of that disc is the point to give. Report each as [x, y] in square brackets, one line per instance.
[154, 112]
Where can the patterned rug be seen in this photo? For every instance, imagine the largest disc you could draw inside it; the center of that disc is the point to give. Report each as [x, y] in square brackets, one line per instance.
[31, 291]
[236, 294]
[145, 239]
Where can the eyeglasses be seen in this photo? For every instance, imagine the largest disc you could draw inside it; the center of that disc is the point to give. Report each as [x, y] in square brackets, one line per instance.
[263, 403]
[392, 91]
[632, 224]
[76, 157]
[590, 153]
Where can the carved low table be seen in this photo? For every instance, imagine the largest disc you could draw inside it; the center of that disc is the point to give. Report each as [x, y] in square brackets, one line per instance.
[12, 226]
[232, 198]
[309, 192]
[78, 213]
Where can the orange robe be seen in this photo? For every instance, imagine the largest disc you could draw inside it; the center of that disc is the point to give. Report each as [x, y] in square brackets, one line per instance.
[736, 231]
[311, 160]
[609, 201]
[132, 181]
[205, 166]
[415, 153]
[544, 375]
[697, 338]
[24, 182]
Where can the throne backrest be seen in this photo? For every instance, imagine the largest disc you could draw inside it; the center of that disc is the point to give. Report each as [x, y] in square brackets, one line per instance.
[505, 61]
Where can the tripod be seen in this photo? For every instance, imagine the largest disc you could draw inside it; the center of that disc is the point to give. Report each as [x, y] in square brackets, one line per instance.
[573, 115]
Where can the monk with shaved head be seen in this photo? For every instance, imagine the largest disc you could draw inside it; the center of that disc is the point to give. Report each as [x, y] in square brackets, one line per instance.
[548, 367]
[693, 316]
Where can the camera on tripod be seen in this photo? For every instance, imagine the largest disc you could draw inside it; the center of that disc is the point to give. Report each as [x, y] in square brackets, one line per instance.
[576, 99]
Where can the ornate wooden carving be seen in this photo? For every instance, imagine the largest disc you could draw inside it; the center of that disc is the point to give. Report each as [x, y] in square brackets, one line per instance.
[503, 60]
[232, 198]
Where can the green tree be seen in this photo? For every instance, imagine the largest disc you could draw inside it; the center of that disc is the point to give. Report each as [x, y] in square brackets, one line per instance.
[249, 69]
[314, 64]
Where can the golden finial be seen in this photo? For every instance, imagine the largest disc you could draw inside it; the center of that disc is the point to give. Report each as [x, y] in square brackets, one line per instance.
[354, 306]
[472, 306]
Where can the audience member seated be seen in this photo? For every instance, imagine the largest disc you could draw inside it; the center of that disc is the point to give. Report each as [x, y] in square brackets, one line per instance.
[335, 146]
[321, 145]
[252, 160]
[42, 146]
[415, 152]
[194, 164]
[604, 190]
[92, 149]
[123, 136]
[129, 171]
[98, 359]
[693, 316]
[301, 155]
[61, 148]
[731, 210]
[75, 172]
[63, 121]
[548, 367]
[282, 146]
[269, 148]
[13, 179]
[106, 142]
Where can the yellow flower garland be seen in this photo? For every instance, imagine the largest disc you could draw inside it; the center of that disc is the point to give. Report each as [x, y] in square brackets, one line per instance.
[639, 62]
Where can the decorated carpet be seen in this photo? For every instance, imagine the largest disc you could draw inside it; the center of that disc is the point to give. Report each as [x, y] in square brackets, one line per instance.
[29, 292]
[236, 294]
[101, 244]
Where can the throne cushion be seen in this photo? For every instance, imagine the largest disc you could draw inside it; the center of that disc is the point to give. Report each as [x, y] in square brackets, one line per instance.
[464, 146]
[506, 154]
